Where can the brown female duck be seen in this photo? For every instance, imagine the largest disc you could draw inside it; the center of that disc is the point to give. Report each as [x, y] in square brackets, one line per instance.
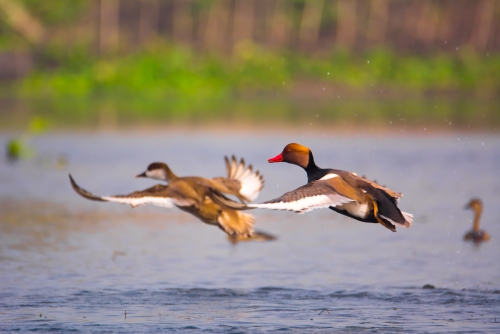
[193, 195]
[240, 181]
[341, 191]
[476, 235]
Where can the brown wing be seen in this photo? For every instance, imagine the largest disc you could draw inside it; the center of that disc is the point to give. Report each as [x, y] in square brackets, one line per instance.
[314, 195]
[159, 195]
[363, 183]
[388, 191]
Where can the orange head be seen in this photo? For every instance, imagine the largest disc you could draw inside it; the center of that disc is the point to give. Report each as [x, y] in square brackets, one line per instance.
[294, 154]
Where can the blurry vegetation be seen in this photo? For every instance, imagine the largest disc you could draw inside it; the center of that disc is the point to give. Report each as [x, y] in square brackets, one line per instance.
[116, 61]
[17, 148]
[179, 72]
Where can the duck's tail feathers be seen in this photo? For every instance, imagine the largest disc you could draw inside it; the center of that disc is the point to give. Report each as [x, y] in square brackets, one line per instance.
[251, 182]
[255, 236]
[408, 219]
[386, 222]
[236, 223]
[407, 223]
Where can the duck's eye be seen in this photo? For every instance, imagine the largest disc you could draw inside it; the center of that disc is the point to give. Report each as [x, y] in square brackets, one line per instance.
[287, 150]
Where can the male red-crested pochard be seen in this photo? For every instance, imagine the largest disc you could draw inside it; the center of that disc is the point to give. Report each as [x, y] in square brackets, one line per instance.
[476, 235]
[193, 195]
[342, 191]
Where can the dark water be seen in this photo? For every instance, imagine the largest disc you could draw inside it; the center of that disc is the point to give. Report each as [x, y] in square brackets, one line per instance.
[69, 264]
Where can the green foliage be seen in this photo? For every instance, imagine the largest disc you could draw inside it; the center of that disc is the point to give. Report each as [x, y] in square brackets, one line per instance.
[172, 83]
[166, 71]
[176, 72]
[37, 126]
[17, 148]
[56, 11]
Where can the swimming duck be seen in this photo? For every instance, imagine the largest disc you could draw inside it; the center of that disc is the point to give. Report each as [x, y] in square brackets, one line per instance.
[341, 191]
[193, 195]
[476, 235]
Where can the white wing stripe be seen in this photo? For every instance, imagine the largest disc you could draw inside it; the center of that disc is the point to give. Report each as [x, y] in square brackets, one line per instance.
[136, 201]
[329, 176]
[306, 204]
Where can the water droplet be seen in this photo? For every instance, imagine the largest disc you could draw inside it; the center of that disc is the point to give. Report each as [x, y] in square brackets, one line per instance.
[324, 88]
[368, 61]
[328, 73]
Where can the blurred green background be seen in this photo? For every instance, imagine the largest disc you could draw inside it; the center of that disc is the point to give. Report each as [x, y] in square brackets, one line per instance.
[349, 63]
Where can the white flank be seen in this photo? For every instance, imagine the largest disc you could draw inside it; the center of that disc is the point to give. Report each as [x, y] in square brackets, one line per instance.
[329, 176]
[306, 204]
[136, 201]
[355, 209]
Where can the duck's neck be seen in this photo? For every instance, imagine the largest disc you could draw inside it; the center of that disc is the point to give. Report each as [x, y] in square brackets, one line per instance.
[169, 175]
[477, 217]
[312, 170]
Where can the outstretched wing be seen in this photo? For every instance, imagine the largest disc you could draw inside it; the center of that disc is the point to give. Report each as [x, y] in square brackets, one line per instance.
[314, 195]
[159, 195]
[241, 181]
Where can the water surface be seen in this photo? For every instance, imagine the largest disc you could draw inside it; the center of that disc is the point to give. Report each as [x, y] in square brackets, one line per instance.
[70, 264]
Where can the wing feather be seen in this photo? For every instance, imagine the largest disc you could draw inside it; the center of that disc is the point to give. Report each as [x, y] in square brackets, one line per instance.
[159, 195]
[314, 195]
[241, 180]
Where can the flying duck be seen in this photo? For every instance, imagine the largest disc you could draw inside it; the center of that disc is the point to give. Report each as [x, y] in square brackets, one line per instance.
[240, 182]
[476, 235]
[341, 191]
[193, 195]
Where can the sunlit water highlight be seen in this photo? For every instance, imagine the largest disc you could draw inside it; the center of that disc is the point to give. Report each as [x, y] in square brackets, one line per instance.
[69, 264]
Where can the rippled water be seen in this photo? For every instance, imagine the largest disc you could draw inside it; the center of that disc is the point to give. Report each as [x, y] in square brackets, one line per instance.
[69, 264]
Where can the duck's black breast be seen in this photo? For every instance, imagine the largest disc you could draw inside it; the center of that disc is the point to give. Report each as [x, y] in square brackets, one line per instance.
[317, 173]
